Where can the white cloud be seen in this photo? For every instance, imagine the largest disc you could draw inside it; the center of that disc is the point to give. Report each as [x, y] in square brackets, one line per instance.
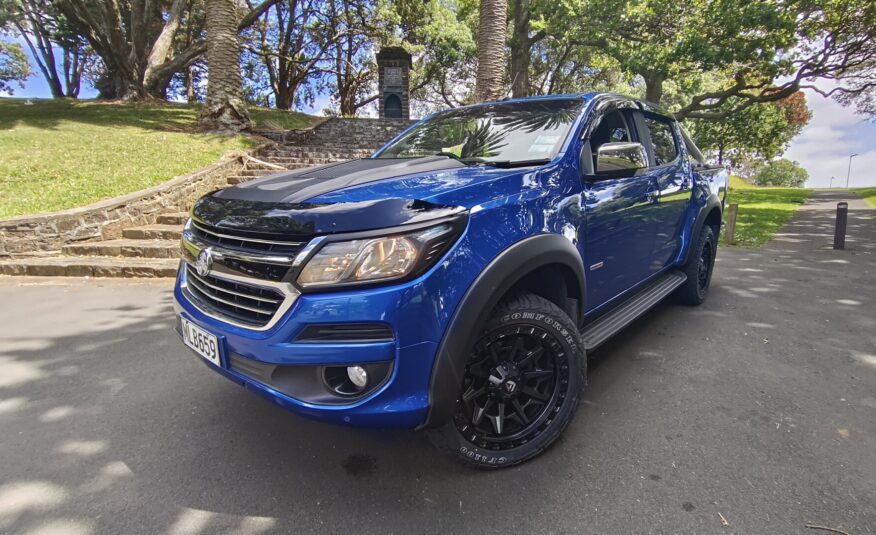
[824, 146]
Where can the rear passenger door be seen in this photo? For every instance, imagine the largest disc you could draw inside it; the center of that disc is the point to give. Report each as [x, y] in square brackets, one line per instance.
[673, 183]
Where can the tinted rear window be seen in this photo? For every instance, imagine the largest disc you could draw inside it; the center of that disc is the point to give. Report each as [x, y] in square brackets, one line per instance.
[662, 140]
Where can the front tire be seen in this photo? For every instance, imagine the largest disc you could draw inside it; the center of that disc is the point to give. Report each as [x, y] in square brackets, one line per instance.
[521, 386]
[699, 269]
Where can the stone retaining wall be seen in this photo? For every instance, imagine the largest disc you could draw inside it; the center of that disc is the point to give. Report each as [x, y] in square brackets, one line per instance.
[356, 132]
[43, 233]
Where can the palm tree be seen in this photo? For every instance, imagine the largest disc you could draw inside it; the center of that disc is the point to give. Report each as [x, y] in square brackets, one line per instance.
[225, 109]
[491, 49]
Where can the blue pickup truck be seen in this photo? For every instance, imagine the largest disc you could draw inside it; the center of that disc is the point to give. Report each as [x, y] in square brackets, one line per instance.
[455, 280]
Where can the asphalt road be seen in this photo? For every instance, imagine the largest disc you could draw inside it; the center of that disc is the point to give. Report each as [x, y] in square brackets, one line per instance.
[758, 408]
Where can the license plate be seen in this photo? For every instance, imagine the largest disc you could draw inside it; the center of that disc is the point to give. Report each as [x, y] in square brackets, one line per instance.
[204, 343]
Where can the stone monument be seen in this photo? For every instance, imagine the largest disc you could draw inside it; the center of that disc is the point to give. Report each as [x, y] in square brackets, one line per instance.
[393, 79]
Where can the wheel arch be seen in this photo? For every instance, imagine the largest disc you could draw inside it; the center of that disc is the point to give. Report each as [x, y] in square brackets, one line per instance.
[547, 264]
[710, 214]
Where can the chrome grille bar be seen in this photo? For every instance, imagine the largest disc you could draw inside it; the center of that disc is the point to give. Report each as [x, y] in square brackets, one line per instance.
[236, 304]
[211, 232]
[200, 280]
[261, 313]
[245, 284]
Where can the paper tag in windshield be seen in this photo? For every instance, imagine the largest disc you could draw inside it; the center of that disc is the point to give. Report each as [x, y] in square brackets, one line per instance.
[544, 144]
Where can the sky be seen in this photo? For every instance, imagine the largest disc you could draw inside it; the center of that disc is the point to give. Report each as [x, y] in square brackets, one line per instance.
[822, 148]
[825, 144]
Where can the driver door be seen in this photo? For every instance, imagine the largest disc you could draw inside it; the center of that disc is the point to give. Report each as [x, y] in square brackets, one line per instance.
[616, 241]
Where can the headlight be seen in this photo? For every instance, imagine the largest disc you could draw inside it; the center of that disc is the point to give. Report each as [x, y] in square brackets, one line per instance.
[376, 259]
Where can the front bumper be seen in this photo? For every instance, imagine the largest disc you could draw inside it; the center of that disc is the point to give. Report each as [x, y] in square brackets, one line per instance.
[401, 401]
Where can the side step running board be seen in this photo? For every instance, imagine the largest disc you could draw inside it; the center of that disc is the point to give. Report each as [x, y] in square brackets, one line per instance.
[606, 326]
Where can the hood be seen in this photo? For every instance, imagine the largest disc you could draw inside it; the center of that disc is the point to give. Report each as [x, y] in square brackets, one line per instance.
[304, 184]
[358, 195]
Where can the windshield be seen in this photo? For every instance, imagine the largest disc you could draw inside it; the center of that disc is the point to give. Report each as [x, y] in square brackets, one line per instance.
[510, 132]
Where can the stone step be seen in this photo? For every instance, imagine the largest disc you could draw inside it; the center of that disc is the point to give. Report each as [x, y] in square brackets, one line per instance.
[153, 232]
[327, 155]
[293, 165]
[125, 248]
[235, 180]
[90, 266]
[178, 218]
[331, 156]
[257, 172]
[285, 160]
[243, 177]
[339, 144]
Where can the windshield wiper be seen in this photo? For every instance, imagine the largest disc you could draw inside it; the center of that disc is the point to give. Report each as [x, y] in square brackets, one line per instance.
[498, 163]
[449, 155]
[467, 161]
[515, 163]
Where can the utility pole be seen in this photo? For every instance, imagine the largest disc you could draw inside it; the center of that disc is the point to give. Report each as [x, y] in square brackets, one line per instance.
[849, 172]
[831, 180]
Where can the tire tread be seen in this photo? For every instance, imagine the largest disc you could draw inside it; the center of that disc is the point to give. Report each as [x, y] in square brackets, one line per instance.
[530, 303]
[688, 293]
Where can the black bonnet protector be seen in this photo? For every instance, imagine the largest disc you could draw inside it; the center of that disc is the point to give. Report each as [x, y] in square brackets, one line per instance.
[276, 204]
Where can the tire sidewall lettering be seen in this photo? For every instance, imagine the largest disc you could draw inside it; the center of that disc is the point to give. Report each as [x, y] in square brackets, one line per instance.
[555, 325]
[476, 456]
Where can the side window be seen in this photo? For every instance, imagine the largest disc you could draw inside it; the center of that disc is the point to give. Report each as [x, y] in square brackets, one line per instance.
[663, 141]
[612, 128]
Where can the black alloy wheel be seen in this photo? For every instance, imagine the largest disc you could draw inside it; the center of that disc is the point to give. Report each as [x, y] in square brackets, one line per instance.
[698, 269]
[516, 381]
[704, 269]
[520, 388]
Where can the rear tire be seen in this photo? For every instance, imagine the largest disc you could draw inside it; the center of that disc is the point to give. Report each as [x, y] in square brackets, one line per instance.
[521, 386]
[699, 269]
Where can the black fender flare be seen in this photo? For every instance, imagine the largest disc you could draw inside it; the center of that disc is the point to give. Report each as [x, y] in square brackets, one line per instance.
[506, 269]
[712, 202]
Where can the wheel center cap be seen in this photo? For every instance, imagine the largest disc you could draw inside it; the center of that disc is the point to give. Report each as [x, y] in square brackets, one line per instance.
[505, 378]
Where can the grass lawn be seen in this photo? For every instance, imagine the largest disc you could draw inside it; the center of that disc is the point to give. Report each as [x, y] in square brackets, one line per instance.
[58, 154]
[762, 210]
[869, 194]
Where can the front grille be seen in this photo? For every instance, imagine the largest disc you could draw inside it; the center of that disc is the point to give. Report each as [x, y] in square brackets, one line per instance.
[238, 240]
[247, 304]
[257, 257]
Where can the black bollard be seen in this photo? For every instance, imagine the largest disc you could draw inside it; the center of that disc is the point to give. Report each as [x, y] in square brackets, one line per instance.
[842, 216]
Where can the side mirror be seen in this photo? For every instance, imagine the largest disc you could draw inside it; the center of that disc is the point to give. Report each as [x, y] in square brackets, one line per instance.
[614, 157]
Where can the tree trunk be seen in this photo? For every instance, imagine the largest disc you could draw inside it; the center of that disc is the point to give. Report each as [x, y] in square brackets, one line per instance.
[43, 54]
[491, 50]
[520, 45]
[347, 103]
[225, 109]
[119, 84]
[161, 47]
[190, 85]
[654, 87]
[285, 98]
[72, 72]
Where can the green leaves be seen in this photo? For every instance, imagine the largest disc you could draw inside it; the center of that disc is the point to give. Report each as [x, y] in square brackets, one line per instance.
[782, 172]
[14, 66]
[760, 132]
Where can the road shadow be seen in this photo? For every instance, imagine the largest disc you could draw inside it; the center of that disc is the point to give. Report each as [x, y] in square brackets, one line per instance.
[120, 429]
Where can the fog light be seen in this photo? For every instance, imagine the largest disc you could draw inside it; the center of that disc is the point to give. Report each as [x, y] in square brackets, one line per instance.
[358, 376]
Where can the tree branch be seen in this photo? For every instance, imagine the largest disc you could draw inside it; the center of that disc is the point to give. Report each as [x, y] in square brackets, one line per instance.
[254, 14]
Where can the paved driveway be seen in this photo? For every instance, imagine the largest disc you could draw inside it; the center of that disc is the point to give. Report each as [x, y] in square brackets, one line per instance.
[758, 407]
